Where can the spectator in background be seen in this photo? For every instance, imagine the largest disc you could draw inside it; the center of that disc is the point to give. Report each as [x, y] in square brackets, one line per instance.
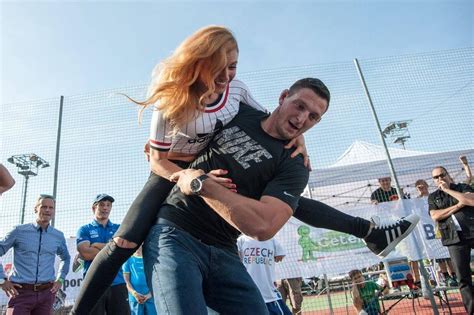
[291, 288]
[445, 264]
[91, 238]
[467, 169]
[32, 286]
[422, 188]
[365, 294]
[452, 206]
[385, 192]
[6, 179]
[139, 296]
[259, 258]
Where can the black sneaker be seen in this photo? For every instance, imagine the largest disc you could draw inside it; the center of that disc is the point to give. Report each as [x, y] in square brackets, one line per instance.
[385, 236]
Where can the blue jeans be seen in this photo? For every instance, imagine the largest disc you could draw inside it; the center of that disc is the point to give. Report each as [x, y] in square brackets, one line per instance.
[187, 275]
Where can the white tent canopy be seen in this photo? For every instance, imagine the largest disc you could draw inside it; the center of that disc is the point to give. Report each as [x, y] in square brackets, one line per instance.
[351, 180]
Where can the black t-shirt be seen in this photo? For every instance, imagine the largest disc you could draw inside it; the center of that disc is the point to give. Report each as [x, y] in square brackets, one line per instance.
[257, 163]
[381, 195]
[465, 216]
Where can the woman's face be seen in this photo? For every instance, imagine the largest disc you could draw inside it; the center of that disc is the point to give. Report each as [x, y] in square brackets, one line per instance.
[227, 74]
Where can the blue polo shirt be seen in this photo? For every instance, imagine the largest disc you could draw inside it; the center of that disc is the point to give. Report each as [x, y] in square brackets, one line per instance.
[95, 232]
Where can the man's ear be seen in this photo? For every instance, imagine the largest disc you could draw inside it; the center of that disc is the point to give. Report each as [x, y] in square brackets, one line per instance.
[283, 95]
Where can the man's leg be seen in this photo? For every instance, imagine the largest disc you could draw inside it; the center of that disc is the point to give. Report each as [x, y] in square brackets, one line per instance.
[22, 303]
[44, 304]
[175, 265]
[296, 296]
[282, 287]
[228, 288]
[461, 257]
[117, 300]
[149, 308]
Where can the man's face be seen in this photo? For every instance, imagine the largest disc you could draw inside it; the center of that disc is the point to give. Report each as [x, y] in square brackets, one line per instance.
[439, 175]
[45, 210]
[102, 209]
[298, 112]
[422, 189]
[385, 183]
[359, 280]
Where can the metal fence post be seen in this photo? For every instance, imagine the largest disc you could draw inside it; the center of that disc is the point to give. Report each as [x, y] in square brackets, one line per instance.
[58, 144]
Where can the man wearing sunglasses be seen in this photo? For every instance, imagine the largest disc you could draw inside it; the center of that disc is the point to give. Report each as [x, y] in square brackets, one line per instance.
[452, 206]
[33, 284]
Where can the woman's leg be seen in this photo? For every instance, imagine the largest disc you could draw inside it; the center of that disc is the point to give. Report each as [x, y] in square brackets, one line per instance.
[320, 215]
[134, 228]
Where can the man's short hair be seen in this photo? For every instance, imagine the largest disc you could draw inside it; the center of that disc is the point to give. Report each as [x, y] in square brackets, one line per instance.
[421, 182]
[42, 197]
[316, 85]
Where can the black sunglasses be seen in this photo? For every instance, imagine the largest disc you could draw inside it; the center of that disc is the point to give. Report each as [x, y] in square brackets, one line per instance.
[442, 175]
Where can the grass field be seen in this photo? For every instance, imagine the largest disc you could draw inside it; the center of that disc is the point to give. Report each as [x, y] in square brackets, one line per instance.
[342, 304]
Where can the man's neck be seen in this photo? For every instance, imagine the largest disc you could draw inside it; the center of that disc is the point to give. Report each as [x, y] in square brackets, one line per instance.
[43, 224]
[268, 125]
[102, 222]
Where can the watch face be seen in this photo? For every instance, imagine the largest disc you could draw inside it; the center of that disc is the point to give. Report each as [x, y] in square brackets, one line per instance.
[196, 185]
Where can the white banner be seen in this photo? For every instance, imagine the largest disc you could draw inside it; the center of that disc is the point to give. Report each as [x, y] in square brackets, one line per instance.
[313, 252]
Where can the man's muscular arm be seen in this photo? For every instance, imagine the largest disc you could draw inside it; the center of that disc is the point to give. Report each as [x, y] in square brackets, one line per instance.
[259, 219]
[441, 214]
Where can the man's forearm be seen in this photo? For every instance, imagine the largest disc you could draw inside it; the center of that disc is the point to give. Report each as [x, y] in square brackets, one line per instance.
[89, 253]
[442, 214]
[251, 217]
[464, 198]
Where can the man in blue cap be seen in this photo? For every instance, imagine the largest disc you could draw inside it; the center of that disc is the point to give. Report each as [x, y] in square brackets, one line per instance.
[91, 238]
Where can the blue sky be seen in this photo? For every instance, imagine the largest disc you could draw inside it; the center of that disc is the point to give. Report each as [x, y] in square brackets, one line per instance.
[76, 48]
[66, 48]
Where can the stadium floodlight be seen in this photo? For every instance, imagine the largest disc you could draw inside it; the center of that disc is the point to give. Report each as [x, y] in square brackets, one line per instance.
[398, 132]
[27, 165]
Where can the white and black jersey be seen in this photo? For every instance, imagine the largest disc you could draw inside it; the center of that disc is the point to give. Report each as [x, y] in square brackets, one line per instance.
[196, 134]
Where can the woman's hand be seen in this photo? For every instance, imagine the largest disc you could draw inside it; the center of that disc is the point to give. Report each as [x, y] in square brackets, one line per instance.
[299, 143]
[216, 175]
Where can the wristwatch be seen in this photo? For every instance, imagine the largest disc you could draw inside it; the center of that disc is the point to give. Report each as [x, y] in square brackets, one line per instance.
[2, 281]
[196, 184]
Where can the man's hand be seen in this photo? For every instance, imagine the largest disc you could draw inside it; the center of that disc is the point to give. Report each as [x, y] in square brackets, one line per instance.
[10, 289]
[463, 159]
[56, 286]
[140, 297]
[443, 185]
[184, 179]
[99, 246]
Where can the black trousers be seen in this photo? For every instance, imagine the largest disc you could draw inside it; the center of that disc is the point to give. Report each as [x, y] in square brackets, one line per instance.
[461, 257]
[113, 302]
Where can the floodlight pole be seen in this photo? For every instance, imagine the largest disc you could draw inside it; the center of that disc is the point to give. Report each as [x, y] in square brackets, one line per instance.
[23, 203]
[424, 274]
[377, 122]
[27, 165]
